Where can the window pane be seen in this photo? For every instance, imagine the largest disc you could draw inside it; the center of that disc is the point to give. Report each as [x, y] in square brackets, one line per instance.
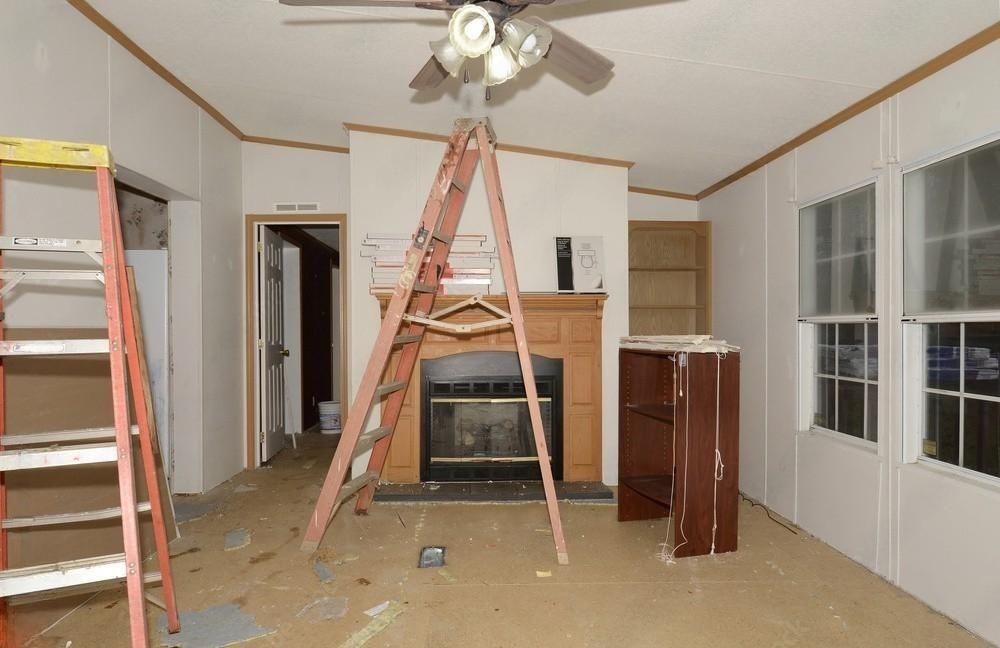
[851, 350]
[825, 404]
[871, 425]
[872, 351]
[982, 358]
[951, 229]
[943, 348]
[941, 428]
[982, 436]
[837, 255]
[826, 349]
[851, 408]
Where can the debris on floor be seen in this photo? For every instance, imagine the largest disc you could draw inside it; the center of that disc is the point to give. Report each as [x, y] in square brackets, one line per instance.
[323, 571]
[375, 626]
[431, 557]
[237, 539]
[445, 574]
[188, 509]
[325, 608]
[346, 558]
[218, 626]
[378, 609]
[245, 488]
[543, 574]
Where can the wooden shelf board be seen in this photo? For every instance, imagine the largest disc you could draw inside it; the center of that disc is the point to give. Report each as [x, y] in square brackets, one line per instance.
[666, 307]
[668, 269]
[660, 412]
[655, 487]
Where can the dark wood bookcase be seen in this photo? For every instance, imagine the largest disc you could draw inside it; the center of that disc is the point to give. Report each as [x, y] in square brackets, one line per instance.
[667, 444]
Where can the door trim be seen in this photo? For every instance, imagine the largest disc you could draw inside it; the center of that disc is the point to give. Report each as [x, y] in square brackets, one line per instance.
[252, 459]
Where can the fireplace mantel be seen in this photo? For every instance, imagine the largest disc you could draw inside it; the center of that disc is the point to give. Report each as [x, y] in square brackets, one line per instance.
[566, 326]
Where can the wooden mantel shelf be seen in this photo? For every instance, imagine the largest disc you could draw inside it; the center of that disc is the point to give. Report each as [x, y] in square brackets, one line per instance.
[530, 302]
[558, 325]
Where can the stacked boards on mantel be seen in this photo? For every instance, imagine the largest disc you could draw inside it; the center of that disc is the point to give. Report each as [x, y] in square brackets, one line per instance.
[468, 270]
[678, 452]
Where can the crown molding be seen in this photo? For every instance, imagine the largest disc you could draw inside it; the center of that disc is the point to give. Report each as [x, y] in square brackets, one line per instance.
[328, 148]
[663, 193]
[936, 64]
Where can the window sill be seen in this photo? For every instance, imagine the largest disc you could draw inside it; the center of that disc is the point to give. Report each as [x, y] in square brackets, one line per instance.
[970, 477]
[870, 447]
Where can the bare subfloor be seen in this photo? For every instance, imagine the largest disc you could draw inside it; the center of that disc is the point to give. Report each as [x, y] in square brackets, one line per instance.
[780, 589]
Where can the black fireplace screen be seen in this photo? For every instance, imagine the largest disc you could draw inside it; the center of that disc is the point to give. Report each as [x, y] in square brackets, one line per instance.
[477, 426]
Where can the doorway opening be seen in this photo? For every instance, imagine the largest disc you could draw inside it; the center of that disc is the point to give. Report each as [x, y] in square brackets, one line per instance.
[296, 326]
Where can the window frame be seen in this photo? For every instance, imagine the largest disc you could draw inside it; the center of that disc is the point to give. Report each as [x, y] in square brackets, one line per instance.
[914, 389]
[806, 328]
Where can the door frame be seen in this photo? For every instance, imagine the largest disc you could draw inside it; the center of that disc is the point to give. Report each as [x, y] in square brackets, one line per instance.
[252, 221]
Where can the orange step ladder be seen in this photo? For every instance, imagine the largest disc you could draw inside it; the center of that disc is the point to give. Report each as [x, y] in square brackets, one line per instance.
[92, 445]
[472, 141]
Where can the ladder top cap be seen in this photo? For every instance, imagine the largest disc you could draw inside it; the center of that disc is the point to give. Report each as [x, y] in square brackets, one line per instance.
[471, 123]
[20, 151]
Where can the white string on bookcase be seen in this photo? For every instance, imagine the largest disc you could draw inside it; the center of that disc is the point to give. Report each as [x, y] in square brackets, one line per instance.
[720, 468]
[685, 371]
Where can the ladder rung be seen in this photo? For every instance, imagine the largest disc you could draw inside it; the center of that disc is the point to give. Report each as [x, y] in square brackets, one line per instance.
[356, 484]
[62, 436]
[89, 588]
[444, 238]
[58, 456]
[53, 347]
[368, 440]
[389, 388]
[43, 578]
[424, 288]
[70, 518]
[52, 275]
[406, 339]
[45, 244]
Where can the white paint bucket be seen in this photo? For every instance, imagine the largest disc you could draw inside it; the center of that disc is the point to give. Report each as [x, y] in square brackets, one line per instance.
[329, 417]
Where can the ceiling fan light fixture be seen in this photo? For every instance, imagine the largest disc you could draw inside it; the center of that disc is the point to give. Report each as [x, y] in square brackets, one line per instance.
[472, 31]
[448, 56]
[501, 65]
[529, 42]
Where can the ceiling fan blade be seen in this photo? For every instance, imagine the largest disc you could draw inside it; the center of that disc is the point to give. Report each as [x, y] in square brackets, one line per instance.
[419, 4]
[574, 57]
[431, 75]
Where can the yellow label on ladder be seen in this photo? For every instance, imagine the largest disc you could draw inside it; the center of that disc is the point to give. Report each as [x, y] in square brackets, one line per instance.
[19, 151]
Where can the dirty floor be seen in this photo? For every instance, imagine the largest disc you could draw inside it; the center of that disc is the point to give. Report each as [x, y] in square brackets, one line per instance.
[501, 586]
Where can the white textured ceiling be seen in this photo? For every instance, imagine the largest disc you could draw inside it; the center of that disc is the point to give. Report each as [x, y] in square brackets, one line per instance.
[701, 87]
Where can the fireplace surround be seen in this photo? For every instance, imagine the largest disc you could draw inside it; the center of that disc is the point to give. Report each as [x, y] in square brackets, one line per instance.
[475, 424]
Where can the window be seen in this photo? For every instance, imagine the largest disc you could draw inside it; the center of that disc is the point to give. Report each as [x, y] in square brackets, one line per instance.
[837, 311]
[951, 229]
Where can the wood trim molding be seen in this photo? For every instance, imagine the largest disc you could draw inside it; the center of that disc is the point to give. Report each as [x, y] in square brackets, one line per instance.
[663, 193]
[105, 25]
[936, 64]
[510, 148]
[328, 148]
[251, 221]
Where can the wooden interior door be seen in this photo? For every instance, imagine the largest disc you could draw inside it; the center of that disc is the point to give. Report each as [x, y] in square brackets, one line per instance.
[272, 351]
[670, 275]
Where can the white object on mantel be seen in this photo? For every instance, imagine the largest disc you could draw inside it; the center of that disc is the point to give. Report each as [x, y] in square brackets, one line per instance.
[685, 343]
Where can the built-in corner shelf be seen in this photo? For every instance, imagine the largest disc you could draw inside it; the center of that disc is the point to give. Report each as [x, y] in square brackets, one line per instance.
[660, 412]
[656, 487]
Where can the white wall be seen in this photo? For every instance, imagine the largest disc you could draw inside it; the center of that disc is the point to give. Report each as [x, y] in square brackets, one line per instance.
[647, 207]
[273, 174]
[545, 197]
[74, 83]
[927, 529]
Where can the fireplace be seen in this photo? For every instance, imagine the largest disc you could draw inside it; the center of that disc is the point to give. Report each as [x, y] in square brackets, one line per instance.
[475, 422]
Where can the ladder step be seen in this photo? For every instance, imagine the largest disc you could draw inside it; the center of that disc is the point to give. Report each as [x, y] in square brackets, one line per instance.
[62, 436]
[389, 388]
[71, 573]
[58, 456]
[406, 339]
[52, 275]
[45, 244]
[424, 288]
[444, 238]
[70, 518]
[368, 440]
[53, 347]
[356, 484]
[148, 578]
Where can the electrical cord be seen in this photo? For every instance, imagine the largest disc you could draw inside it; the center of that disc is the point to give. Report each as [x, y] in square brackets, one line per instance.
[768, 511]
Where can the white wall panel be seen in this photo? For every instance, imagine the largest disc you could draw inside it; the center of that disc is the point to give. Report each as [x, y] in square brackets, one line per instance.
[842, 157]
[958, 104]
[154, 128]
[273, 174]
[660, 208]
[781, 312]
[738, 307]
[837, 498]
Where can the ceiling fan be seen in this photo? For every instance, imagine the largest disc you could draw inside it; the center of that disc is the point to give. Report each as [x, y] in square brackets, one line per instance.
[489, 29]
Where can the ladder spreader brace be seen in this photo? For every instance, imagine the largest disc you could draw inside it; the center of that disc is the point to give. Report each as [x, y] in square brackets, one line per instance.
[472, 142]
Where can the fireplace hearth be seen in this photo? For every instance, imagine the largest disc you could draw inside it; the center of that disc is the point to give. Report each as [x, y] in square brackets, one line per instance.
[475, 421]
